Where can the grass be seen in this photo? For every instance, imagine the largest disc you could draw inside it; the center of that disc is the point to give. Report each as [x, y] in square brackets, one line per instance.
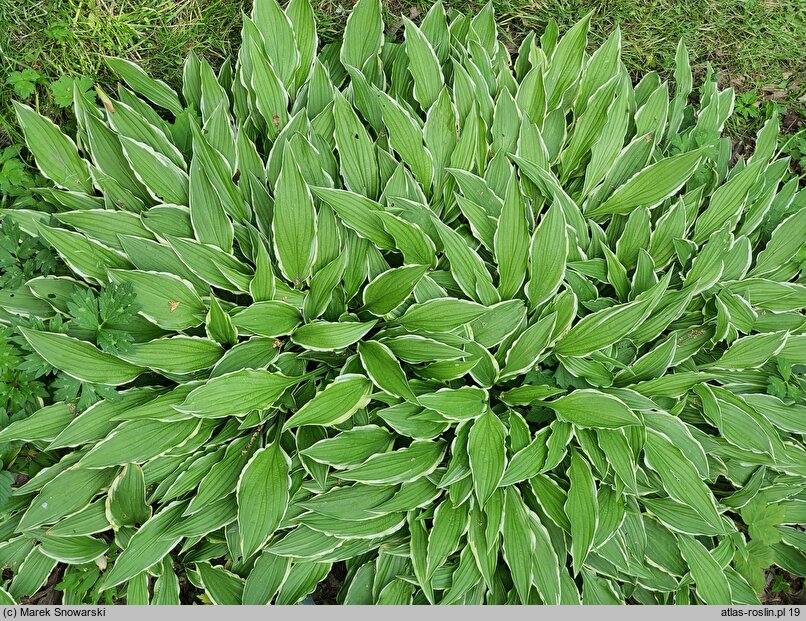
[755, 45]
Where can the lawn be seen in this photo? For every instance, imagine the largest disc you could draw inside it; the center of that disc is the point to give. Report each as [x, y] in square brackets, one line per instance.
[755, 46]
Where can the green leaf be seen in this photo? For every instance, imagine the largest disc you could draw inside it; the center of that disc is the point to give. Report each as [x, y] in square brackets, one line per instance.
[281, 47]
[265, 579]
[269, 318]
[467, 267]
[330, 336]
[126, 500]
[236, 394]
[165, 299]
[6, 599]
[218, 324]
[406, 464]
[384, 370]
[680, 478]
[80, 359]
[406, 138]
[137, 441]
[363, 34]
[178, 354]
[456, 403]
[750, 352]
[147, 547]
[528, 349]
[391, 288]
[652, 185]
[511, 242]
[263, 494]
[68, 492]
[710, 581]
[349, 448]
[440, 315]
[486, 452]
[359, 167]
[87, 258]
[164, 179]
[221, 586]
[448, 527]
[582, 509]
[294, 223]
[519, 542]
[55, 154]
[211, 225]
[591, 408]
[335, 404]
[139, 81]
[608, 326]
[359, 213]
[423, 65]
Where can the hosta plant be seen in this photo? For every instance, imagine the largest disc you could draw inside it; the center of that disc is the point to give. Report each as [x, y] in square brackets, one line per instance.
[457, 324]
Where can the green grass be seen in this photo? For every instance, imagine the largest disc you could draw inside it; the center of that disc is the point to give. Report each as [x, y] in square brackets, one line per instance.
[755, 46]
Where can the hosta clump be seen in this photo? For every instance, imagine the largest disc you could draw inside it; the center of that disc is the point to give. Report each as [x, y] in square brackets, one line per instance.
[484, 329]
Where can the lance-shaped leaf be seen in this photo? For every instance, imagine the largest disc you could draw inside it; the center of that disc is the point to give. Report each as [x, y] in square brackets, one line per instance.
[265, 579]
[486, 452]
[423, 65]
[591, 408]
[262, 494]
[85, 257]
[511, 242]
[271, 97]
[467, 266]
[359, 167]
[404, 465]
[140, 82]
[710, 581]
[406, 138]
[178, 354]
[750, 352]
[126, 500]
[528, 348]
[269, 318]
[66, 493]
[783, 245]
[652, 185]
[164, 179]
[80, 359]
[335, 404]
[294, 223]
[391, 288]
[165, 299]
[359, 213]
[440, 315]
[329, 335]
[519, 542]
[211, 224]
[221, 586]
[55, 154]
[610, 325]
[582, 509]
[73, 550]
[350, 448]
[384, 370]
[137, 441]
[448, 527]
[236, 394]
[280, 46]
[363, 34]
[680, 478]
[147, 547]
